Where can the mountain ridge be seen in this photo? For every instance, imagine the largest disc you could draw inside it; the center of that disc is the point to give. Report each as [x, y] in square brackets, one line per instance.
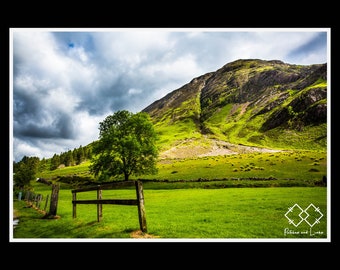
[250, 102]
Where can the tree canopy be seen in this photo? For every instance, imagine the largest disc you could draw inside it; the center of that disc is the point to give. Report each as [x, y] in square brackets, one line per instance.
[24, 171]
[126, 146]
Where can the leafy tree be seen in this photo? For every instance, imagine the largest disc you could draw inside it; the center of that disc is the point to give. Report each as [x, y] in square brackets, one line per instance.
[78, 155]
[55, 162]
[24, 171]
[126, 146]
[68, 158]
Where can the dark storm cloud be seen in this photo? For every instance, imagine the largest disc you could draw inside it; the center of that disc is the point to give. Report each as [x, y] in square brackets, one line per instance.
[34, 116]
[60, 128]
[109, 95]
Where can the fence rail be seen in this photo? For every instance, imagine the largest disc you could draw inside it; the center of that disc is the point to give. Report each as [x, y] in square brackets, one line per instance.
[139, 201]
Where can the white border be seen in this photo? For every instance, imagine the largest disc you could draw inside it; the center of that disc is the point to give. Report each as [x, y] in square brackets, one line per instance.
[227, 240]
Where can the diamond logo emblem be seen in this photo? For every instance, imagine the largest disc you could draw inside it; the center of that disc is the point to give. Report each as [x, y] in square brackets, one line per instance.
[296, 215]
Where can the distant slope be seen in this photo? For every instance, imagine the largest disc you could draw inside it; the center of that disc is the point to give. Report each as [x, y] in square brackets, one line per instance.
[267, 104]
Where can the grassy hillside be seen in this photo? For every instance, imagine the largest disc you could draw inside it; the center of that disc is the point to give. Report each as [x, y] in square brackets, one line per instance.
[266, 104]
[285, 168]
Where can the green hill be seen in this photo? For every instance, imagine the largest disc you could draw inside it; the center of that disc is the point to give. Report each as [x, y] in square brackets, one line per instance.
[267, 104]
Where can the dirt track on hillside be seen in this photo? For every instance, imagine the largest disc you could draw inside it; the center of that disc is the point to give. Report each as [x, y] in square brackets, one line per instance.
[190, 149]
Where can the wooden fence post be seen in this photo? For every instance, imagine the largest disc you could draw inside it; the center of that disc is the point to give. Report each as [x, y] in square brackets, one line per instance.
[46, 203]
[54, 200]
[141, 207]
[99, 206]
[27, 196]
[74, 198]
[39, 198]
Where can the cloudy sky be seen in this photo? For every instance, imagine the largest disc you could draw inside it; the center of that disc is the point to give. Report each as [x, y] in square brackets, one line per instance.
[65, 81]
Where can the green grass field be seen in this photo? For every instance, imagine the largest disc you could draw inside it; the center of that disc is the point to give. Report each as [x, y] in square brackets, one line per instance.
[223, 198]
[183, 214]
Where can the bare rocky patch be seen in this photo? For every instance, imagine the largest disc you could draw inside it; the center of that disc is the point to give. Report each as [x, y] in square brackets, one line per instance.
[191, 148]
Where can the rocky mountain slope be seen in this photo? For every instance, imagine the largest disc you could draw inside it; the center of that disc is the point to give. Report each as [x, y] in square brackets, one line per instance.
[250, 102]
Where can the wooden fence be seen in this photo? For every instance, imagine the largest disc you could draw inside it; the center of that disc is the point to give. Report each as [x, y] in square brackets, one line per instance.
[139, 202]
[32, 199]
[35, 200]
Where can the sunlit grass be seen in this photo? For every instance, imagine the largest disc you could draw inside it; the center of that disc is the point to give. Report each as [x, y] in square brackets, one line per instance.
[295, 165]
[184, 213]
[306, 167]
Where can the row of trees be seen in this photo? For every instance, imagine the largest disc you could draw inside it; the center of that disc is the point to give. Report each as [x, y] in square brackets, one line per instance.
[71, 157]
[126, 146]
[26, 169]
